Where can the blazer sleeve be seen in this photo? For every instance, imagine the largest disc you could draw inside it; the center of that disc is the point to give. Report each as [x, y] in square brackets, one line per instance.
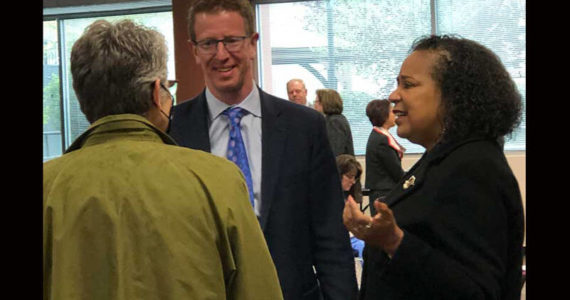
[470, 221]
[333, 257]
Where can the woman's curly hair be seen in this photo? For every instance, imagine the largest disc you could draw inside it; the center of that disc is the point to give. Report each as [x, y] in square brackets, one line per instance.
[479, 97]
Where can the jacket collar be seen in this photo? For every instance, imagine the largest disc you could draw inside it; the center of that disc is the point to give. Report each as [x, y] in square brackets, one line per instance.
[119, 123]
[391, 141]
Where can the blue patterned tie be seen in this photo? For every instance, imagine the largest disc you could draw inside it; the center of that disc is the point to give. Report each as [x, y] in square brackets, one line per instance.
[236, 148]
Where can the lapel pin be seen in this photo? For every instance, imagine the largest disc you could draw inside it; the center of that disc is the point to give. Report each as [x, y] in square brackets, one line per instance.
[410, 182]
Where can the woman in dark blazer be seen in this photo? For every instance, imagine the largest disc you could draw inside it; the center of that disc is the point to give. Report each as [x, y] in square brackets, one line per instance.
[383, 153]
[329, 102]
[452, 228]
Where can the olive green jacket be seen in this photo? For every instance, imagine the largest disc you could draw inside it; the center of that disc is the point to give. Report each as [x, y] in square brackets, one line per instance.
[128, 215]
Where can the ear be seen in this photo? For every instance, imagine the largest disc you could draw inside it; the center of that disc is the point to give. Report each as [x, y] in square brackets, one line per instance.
[254, 38]
[253, 44]
[194, 51]
[156, 93]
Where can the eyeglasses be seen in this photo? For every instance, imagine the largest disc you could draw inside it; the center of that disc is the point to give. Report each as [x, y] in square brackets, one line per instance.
[351, 177]
[172, 85]
[210, 46]
[172, 91]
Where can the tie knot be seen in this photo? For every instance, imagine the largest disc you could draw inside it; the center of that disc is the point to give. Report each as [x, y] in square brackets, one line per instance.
[235, 114]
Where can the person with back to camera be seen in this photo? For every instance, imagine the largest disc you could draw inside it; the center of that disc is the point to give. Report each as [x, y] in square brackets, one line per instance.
[297, 92]
[329, 103]
[284, 151]
[452, 228]
[383, 153]
[127, 214]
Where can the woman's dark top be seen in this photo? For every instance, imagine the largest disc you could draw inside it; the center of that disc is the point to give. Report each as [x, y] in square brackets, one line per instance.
[339, 134]
[461, 212]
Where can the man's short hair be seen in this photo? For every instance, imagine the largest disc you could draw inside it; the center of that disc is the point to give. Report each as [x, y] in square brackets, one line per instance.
[243, 7]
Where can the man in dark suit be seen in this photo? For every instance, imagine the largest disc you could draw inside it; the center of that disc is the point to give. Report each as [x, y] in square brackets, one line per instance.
[291, 170]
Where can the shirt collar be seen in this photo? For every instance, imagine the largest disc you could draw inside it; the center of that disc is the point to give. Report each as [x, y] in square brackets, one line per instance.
[251, 103]
[383, 130]
[391, 140]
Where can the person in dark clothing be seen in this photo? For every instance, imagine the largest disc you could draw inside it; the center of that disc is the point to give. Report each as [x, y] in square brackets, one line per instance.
[329, 102]
[383, 153]
[453, 226]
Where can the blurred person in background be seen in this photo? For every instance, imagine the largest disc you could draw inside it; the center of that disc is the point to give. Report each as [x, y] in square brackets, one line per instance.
[297, 92]
[329, 103]
[383, 153]
[350, 170]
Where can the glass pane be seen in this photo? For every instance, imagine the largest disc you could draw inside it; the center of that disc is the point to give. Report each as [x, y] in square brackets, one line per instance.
[499, 25]
[357, 47]
[354, 47]
[52, 144]
[75, 120]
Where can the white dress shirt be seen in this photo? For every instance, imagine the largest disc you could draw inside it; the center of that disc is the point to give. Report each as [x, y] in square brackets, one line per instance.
[219, 132]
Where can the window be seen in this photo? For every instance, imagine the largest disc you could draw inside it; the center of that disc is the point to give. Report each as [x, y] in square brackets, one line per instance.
[63, 120]
[499, 25]
[52, 142]
[357, 47]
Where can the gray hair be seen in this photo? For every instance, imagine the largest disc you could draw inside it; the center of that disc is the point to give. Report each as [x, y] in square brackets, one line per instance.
[113, 66]
[297, 80]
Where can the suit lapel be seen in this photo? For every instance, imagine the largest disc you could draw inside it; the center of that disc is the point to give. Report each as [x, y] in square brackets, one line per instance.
[273, 138]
